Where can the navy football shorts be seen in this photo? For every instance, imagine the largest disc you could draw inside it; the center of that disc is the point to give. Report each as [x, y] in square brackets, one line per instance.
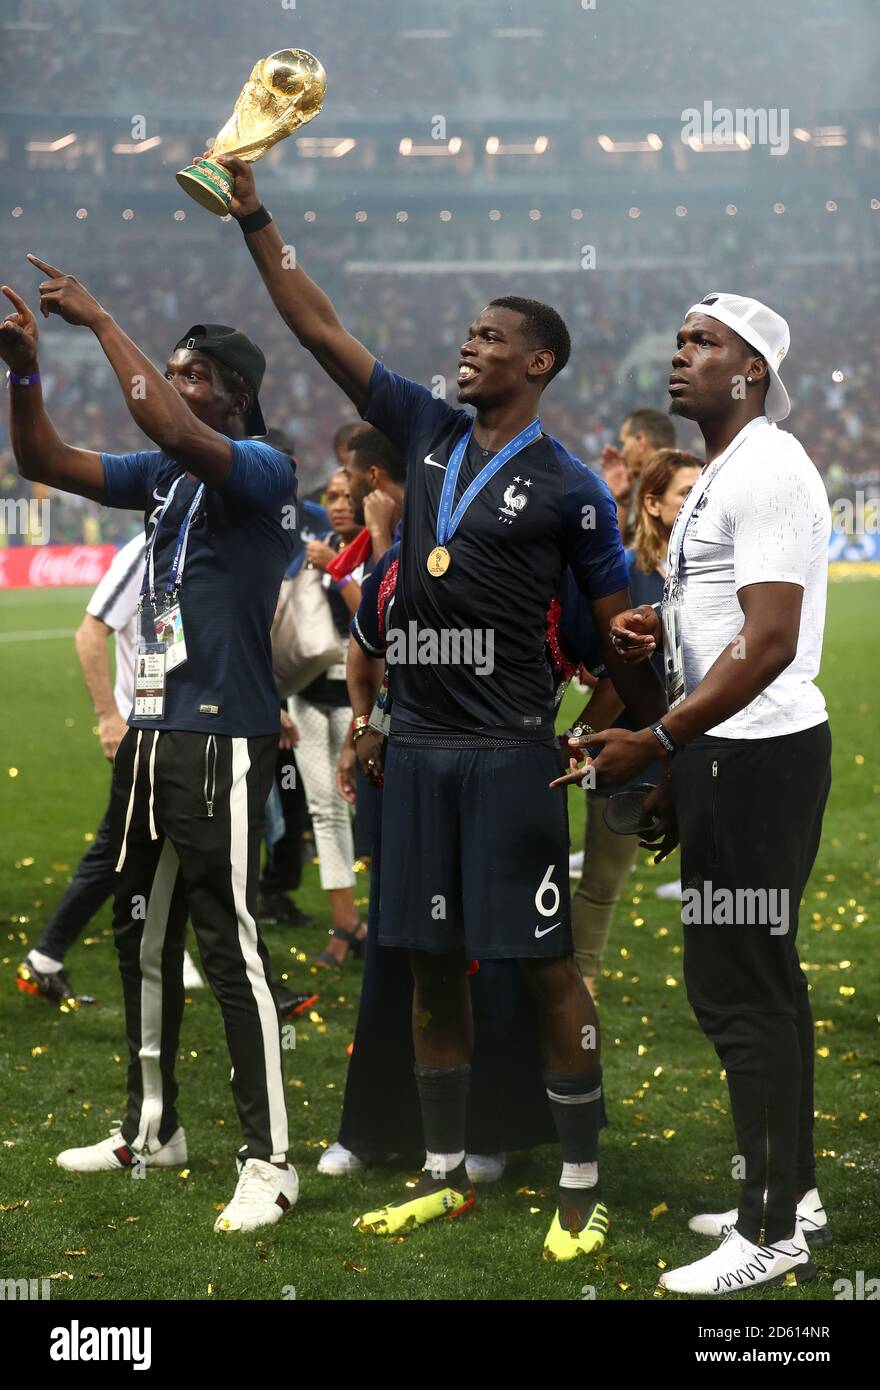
[474, 851]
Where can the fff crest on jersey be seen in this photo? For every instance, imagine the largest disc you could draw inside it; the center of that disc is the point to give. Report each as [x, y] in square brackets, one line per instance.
[514, 501]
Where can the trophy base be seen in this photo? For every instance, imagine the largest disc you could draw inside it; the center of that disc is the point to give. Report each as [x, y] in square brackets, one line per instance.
[209, 184]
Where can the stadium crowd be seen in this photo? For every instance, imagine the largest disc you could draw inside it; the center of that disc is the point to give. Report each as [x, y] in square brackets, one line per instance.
[119, 61]
[610, 310]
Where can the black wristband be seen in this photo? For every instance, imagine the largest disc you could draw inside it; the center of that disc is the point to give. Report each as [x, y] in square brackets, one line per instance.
[255, 220]
[664, 738]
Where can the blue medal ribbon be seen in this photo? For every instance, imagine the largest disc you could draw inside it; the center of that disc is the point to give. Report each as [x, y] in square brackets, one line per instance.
[447, 520]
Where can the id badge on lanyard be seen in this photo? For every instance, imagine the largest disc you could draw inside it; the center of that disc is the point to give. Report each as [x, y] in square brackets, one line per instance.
[149, 681]
[165, 648]
[169, 631]
[673, 657]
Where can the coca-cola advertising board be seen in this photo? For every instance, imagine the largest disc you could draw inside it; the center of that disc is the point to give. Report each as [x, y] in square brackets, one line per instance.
[52, 566]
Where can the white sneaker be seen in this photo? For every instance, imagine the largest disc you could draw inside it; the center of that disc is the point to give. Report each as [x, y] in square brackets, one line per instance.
[336, 1161]
[191, 977]
[576, 864]
[113, 1152]
[262, 1195]
[738, 1264]
[811, 1219]
[485, 1167]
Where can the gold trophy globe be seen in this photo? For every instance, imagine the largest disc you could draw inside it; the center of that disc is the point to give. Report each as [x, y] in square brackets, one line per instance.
[283, 92]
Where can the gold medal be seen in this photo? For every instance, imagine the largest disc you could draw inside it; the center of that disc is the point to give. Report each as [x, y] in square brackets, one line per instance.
[439, 561]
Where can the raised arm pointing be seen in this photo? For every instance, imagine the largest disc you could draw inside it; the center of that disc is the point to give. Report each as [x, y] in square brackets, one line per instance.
[305, 308]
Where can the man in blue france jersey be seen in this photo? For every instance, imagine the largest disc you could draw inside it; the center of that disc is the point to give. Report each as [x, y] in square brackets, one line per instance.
[193, 772]
[474, 840]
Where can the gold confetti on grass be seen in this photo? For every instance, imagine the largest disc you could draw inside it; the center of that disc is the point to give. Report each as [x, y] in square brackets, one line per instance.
[353, 1265]
[660, 1208]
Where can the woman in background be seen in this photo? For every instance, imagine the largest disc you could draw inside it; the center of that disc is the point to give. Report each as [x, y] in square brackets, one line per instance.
[322, 714]
[665, 482]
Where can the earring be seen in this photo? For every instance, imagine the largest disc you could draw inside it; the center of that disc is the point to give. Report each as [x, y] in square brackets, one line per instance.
[749, 380]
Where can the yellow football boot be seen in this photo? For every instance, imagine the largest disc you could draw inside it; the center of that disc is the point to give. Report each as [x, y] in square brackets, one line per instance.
[430, 1198]
[577, 1231]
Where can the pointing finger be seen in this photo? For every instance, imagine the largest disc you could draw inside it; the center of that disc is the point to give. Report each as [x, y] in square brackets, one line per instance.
[15, 299]
[44, 265]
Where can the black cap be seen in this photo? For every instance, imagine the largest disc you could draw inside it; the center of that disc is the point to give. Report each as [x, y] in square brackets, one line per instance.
[234, 350]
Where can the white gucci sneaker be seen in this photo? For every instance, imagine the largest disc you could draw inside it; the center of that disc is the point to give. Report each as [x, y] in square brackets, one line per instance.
[485, 1167]
[811, 1219]
[262, 1195]
[113, 1152]
[737, 1264]
[191, 977]
[336, 1161]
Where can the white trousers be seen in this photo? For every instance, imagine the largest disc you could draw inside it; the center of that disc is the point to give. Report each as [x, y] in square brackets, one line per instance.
[322, 731]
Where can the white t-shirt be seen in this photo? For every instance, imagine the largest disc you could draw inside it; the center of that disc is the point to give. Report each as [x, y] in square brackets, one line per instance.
[765, 520]
[115, 603]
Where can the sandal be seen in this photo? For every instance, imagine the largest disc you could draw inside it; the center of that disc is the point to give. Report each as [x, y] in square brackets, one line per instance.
[355, 946]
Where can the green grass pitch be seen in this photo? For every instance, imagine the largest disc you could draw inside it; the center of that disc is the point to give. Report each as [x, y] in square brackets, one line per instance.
[667, 1152]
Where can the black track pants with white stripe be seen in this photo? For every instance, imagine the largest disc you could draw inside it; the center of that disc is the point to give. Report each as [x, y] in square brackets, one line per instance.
[187, 814]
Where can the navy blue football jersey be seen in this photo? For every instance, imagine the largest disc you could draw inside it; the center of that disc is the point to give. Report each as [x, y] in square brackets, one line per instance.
[541, 511]
[239, 546]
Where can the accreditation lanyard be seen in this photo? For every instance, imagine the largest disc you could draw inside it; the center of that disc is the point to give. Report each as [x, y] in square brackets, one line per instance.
[694, 502]
[175, 576]
[157, 659]
[448, 520]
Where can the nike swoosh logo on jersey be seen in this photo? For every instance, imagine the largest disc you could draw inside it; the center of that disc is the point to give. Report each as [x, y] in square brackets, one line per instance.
[433, 462]
[539, 933]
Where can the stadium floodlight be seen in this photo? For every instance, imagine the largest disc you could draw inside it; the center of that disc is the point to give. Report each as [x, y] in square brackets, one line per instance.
[137, 146]
[649, 145]
[830, 135]
[540, 145]
[800, 134]
[719, 142]
[409, 147]
[324, 146]
[50, 146]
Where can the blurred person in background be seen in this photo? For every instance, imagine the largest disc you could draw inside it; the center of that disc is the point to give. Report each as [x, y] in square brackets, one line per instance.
[111, 611]
[664, 483]
[376, 474]
[282, 867]
[377, 480]
[322, 714]
[642, 433]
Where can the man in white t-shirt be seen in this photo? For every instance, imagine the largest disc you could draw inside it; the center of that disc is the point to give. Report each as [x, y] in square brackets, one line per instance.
[748, 754]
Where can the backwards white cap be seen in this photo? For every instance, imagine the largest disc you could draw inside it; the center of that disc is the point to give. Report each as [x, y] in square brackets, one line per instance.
[763, 329]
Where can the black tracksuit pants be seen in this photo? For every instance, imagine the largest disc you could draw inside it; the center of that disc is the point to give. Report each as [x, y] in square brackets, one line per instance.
[187, 814]
[750, 818]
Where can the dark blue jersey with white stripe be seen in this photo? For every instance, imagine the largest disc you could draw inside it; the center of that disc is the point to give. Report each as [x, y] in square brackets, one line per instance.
[240, 544]
[542, 511]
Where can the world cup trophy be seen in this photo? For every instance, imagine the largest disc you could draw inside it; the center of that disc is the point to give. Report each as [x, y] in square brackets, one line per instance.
[283, 92]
